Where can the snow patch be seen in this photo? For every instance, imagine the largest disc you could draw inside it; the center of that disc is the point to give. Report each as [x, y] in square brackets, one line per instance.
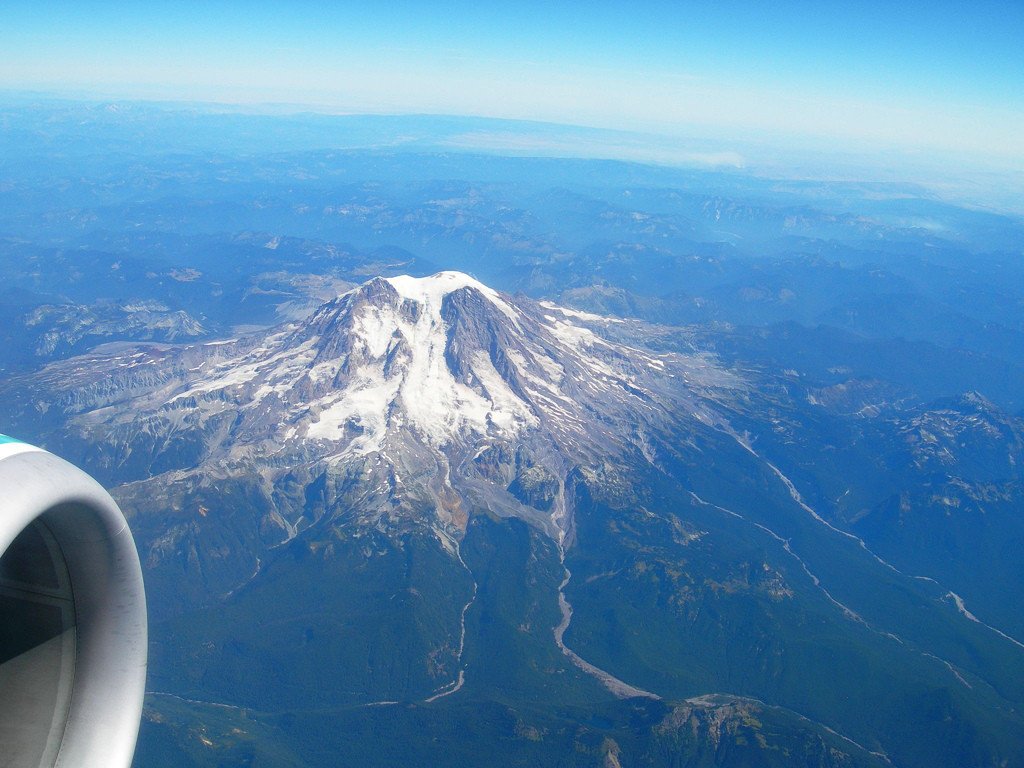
[588, 316]
[430, 291]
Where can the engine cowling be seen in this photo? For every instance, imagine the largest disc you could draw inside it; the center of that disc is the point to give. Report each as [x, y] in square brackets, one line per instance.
[72, 617]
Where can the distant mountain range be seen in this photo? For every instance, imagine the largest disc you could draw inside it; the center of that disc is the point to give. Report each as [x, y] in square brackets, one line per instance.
[473, 521]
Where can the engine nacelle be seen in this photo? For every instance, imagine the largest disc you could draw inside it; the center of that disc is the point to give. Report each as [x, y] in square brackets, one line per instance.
[72, 618]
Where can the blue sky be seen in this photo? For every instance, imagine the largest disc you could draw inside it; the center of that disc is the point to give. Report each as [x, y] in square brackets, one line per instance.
[928, 76]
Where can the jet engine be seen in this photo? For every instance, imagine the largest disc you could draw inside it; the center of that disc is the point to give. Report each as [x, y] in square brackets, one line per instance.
[72, 618]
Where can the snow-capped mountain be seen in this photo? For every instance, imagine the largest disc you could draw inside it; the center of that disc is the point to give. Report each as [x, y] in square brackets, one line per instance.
[434, 387]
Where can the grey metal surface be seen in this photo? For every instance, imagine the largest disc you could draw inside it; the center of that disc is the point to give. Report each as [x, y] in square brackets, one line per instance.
[74, 699]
